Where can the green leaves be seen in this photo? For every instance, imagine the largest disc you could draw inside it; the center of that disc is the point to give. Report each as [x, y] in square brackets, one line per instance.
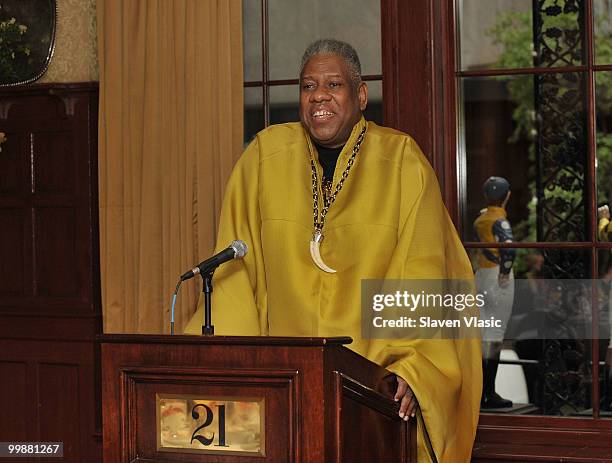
[14, 50]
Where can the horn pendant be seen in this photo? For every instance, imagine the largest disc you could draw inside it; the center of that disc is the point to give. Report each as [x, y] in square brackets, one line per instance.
[315, 252]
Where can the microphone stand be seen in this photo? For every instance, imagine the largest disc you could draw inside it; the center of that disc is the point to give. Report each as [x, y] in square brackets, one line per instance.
[207, 288]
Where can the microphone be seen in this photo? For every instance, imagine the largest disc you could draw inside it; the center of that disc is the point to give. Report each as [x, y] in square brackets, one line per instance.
[236, 250]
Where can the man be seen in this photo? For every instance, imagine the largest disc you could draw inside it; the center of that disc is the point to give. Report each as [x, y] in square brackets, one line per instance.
[325, 203]
[494, 279]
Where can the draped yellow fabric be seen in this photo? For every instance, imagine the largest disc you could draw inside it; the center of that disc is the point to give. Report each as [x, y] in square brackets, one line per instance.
[387, 222]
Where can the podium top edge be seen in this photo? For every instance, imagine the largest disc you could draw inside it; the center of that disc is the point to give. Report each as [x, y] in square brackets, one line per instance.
[222, 340]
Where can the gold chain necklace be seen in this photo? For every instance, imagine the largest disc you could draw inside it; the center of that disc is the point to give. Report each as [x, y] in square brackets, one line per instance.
[326, 188]
[328, 200]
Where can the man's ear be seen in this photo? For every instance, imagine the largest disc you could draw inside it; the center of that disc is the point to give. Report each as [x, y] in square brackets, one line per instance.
[362, 93]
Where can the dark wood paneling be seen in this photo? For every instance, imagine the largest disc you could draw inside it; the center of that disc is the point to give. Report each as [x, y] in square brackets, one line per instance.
[17, 103]
[305, 383]
[55, 252]
[54, 397]
[51, 150]
[276, 387]
[354, 401]
[53, 162]
[360, 405]
[220, 354]
[14, 393]
[13, 164]
[33, 326]
[542, 438]
[12, 250]
[407, 65]
[418, 87]
[49, 267]
[59, 401]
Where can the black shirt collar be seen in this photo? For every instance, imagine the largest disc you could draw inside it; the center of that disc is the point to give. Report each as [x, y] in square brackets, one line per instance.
[328, 157]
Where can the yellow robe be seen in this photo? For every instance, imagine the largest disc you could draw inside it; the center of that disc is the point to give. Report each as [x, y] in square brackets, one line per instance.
[387, 222]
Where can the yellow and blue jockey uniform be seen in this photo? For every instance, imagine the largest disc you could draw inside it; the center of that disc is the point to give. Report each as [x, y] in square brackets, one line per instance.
[492, 226]
[604, 229]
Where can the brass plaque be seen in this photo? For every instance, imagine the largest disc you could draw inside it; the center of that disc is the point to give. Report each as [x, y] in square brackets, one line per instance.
[217, 425]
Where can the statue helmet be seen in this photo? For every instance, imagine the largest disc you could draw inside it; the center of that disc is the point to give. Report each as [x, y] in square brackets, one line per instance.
[496, 188]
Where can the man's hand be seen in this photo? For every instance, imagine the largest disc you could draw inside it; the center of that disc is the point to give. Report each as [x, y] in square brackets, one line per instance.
[404, 395]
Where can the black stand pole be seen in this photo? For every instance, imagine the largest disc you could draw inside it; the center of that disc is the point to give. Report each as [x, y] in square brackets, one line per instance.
[207, 288]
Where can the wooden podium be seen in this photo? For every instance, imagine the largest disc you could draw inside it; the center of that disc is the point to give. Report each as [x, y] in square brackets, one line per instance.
[247, 399]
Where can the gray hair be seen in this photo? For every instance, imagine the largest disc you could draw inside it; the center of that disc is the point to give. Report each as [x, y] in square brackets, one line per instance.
[335, 47]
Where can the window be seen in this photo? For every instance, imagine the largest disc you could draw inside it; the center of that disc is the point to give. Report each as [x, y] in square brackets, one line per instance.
[277, 32]
[534, 86]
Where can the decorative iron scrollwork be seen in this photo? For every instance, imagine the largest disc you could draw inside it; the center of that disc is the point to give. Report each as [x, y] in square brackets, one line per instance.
[561, 188]
[561, 124]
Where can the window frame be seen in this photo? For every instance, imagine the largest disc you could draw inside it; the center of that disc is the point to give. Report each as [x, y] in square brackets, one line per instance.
[588, 69]
[266, 82]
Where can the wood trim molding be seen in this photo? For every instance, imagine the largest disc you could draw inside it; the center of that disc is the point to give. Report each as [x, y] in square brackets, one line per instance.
[418, 63]
[369, 397]
[407, 64]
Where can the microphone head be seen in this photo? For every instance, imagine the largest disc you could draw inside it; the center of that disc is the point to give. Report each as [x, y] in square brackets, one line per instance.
[240, 248]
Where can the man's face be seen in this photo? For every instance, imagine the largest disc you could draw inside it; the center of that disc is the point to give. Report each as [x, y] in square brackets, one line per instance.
[329, 104]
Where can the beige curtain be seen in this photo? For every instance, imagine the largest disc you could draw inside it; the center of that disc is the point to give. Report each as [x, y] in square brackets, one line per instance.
[170, 130]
